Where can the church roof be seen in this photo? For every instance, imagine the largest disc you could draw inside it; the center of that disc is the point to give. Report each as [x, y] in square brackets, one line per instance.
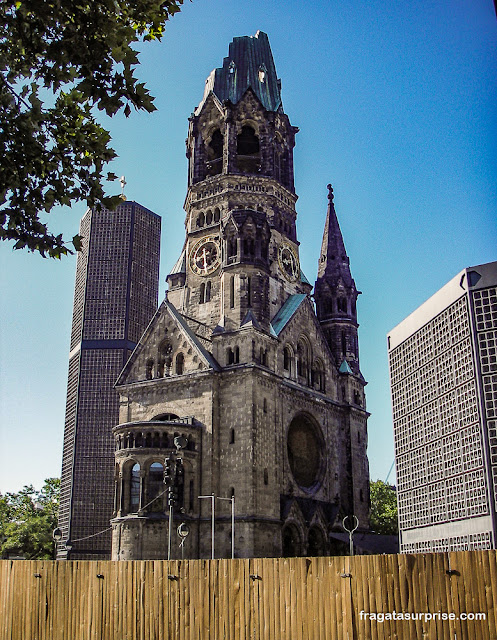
[345, 368]
[303, 278]
[334, 262]
[249, 64]
[286, 312]
[180, 266]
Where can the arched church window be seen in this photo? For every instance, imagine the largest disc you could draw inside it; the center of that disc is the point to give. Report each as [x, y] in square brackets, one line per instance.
[202, 293]
[232, 247]
[201, 220]
[215, 154]
[208, 286]
[302, 360]
[180, 364]
[247, 143]
[217, 214]
[342, 305]
[237, 355]
[166, 417]
[208, 217]
[266, 477]
[134, 488]
[318, 381]
[344, 344]
[287, 360]
[232, 292]
[150, 369]
[155, 487]
[248, 150]
[232, 436]
[249, 291]
[249, 247]
[216, 145]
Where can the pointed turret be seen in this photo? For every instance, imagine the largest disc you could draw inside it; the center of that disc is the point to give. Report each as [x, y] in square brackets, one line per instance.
[336, 294]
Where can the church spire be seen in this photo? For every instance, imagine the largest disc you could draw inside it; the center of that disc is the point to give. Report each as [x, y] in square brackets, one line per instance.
[334, 262]
[335, 293]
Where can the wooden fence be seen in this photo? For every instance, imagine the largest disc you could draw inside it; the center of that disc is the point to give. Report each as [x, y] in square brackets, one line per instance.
[253, 599]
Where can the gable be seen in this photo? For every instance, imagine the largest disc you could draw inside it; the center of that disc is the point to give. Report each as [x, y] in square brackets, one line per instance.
[168, 348]
[296, 321]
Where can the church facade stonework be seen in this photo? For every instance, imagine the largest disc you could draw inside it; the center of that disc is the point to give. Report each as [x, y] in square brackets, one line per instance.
[262, 381]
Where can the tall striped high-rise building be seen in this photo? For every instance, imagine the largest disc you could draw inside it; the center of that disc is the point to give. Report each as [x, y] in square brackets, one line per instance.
[443, 374]
[115, 297]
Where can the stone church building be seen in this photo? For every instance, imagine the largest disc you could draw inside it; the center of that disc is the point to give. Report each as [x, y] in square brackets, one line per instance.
[259, 376]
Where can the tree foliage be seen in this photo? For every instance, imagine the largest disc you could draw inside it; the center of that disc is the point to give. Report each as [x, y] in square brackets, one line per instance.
[59, 61]
[383, 508]
[27, 520]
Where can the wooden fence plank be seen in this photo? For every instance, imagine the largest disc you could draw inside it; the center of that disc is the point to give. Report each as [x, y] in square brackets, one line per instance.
[489, 580]
[249, 599]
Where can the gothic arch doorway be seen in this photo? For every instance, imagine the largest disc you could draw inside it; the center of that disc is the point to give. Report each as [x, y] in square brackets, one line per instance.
[291, 541]
[316, 543]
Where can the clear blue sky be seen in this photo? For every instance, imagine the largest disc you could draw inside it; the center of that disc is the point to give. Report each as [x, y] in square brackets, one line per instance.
[396, 105]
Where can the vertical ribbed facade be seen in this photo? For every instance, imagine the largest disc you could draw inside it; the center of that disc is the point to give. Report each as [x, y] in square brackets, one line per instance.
[115, 297]
[443, 374]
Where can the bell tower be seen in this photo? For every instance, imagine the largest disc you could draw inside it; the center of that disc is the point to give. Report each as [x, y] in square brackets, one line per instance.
[241, 256]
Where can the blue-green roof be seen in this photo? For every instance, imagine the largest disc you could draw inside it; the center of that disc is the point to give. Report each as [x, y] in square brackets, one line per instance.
[180, 266]
[249, 64]
[303, 278]
[345, 368]
[291, 305]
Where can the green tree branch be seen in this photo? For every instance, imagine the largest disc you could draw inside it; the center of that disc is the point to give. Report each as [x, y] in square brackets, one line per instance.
[80, 55]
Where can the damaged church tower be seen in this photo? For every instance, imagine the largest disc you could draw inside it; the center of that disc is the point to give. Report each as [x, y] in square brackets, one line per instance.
[268, 394]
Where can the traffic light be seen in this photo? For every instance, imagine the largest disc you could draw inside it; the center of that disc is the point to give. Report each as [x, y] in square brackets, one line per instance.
[180, 471]
[168, 472]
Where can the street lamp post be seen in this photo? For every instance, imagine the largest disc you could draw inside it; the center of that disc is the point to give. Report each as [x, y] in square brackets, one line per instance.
[351, 531]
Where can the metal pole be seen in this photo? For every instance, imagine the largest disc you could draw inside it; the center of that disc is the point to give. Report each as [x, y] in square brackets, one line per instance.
[170, 533]
[232, 500]
[232, 527]
[212, 497]
[212, 525]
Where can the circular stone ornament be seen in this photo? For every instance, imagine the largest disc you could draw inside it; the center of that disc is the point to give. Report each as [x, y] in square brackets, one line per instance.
[205, 256]
[305, 444]
[288, 262]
